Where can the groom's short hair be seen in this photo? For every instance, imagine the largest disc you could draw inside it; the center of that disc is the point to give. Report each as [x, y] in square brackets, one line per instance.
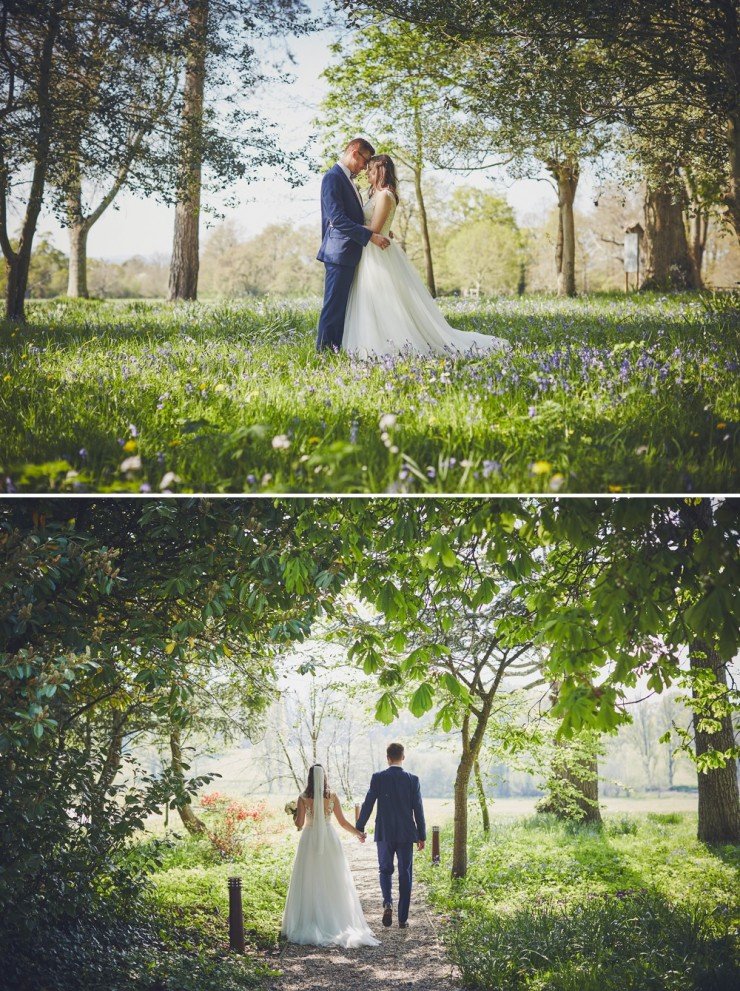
[361, 143]
[394, 751]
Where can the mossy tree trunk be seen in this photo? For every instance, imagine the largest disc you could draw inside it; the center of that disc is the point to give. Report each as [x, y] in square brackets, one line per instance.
[719, 801]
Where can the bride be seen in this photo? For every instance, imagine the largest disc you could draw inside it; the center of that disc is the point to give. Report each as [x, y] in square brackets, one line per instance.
[322, 906]
[389, 307]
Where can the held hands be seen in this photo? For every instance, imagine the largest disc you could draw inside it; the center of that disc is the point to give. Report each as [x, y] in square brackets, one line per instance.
[361, 836]
[380, 241]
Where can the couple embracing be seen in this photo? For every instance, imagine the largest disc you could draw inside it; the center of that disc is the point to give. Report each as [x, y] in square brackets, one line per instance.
[322, 907]
[374, 300]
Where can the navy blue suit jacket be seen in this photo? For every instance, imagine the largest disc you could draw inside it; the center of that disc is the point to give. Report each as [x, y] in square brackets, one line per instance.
[400, 815]
[342, 233]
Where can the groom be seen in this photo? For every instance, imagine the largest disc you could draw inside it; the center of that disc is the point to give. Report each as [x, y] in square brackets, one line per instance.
[343, 238]
[399, 823]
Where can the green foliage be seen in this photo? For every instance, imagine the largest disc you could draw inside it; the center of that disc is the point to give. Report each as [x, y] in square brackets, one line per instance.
[47, 275]
[170, 931]
[549, 906]
[199, 894]
[628, 825]
[604, 393]
[485, 256]
[143, 948]
[637, 940]
[119, 618]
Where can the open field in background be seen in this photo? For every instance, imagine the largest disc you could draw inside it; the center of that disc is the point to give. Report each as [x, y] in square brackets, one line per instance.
[439, 811]
[603, 393]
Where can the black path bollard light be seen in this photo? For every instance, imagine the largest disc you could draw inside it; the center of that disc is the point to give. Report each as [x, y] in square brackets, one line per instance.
[236, 917]
[435, 845]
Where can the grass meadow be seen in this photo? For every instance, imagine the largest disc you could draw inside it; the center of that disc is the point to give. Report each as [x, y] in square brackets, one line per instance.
[549, 906]
[603, 393]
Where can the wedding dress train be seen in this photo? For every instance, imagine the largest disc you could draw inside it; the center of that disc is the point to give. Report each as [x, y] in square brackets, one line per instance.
[391, 310]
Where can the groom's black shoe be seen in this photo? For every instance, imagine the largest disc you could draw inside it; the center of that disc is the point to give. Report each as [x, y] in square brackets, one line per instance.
[387, 915]
[403, 925]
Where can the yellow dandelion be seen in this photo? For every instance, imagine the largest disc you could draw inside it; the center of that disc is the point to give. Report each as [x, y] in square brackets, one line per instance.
[721, 426]
[615, 488]
[130, 446]
[540, 467]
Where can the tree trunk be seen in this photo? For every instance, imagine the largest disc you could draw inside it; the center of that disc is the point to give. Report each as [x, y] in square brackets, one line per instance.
[425, 240]
[77, 281]
[732, 198]
[699, 224]
[482, 799]
[566, 174]
[190, 820]
[719, 802]
[573, 785]
[15, 290]
[111, 765]
[460, 838]
[667, 260]
[18, 263]
[185, 247]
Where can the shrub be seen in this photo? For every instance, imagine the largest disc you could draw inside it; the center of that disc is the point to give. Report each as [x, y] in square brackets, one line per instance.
[624, 825]
[229, 820]
[665, 818]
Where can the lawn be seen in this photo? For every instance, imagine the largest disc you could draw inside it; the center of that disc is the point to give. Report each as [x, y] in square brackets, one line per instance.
[604, 393]
[559, 907]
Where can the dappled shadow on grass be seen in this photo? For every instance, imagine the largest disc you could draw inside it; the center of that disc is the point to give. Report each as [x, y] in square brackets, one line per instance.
[726, 853]
[239, 322]
[538, 321]
[588, 909]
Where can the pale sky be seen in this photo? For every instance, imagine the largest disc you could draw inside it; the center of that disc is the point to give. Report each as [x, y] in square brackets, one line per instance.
[144, 226]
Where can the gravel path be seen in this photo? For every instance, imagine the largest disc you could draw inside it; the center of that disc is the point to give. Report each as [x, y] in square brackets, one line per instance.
[406, 959]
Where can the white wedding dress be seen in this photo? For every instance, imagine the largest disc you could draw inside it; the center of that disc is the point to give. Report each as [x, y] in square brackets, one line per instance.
[391, 310]
[322, 906]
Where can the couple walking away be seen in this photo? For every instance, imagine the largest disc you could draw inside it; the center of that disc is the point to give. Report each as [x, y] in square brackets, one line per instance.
[374, 300]
[322, 906]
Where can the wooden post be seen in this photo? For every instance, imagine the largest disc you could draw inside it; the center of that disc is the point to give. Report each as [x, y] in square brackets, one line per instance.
[357, 811]
[435, 845]
[236, 918]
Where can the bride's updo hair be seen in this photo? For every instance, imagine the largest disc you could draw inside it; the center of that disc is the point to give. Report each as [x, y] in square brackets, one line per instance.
[309, 786]
[385, 174]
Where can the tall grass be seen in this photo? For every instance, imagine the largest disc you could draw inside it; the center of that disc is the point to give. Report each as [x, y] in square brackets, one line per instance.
[602, 393]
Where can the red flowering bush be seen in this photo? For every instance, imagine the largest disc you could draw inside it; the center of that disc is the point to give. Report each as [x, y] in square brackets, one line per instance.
[228, 821]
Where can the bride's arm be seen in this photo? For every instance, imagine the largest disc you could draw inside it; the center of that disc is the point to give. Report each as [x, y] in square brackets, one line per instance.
[300, 816]
[342, 821]
[380, 211]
